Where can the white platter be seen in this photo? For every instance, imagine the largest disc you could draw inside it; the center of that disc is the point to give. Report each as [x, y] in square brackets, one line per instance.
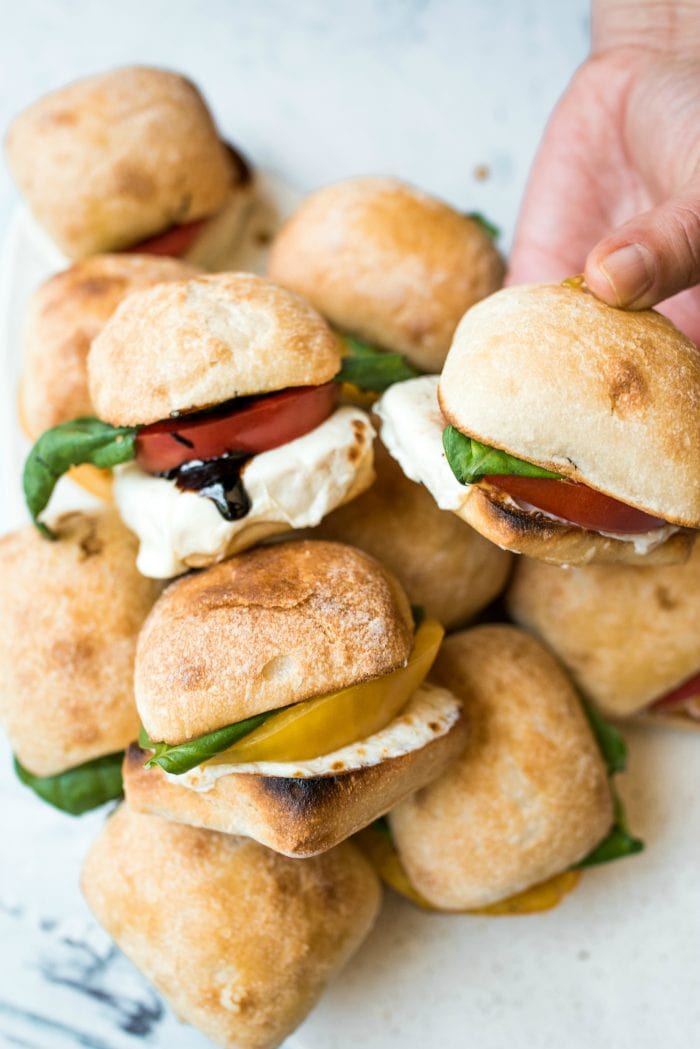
[616, 964]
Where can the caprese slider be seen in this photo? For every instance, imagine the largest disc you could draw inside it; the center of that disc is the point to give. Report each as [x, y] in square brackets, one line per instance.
[70, 613]
[389, 266]
[283, 696]
[563, 428]
[239, 940]
[129, 160]
[529, 797]
[217, 396]
[445, 567]
[628, 635]
[65, 314]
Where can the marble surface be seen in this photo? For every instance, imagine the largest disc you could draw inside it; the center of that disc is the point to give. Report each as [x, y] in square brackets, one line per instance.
[453, 96]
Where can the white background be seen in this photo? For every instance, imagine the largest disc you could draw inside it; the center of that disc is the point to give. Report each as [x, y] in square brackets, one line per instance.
[428, 91]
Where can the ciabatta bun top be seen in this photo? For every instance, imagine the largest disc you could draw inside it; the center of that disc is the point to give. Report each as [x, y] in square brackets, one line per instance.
[529, 796]
[265, 629]
[604, 396]
[627, 635]
[69, 618]
[113, 159]
[388, 263]
[240, 941]
[193, 344]
[65, 314]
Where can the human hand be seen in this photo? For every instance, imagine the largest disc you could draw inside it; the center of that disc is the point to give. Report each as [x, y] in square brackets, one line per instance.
[615, 189]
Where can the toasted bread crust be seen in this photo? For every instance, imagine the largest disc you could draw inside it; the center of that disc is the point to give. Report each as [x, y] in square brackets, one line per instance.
[604, 396]
[113, 159]
[297, 817]
[529, 795]
[192, 344]
[387, 263]
[628, 635]
[220, 909]
[265, 629]
[69, 618]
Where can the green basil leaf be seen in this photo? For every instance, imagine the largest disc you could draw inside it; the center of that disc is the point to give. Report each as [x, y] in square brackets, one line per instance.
[70, 444]
[618, 844]
[79, 789]
[181, 757]
[470, 460]
[373, 369]
[609, 739]
[488, 227]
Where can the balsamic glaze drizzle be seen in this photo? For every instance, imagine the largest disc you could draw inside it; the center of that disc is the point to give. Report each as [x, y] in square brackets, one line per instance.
[216, 479]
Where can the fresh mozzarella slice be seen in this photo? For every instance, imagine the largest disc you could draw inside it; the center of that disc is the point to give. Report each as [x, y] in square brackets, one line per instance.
[411, 429]
[429, 714]
[293, 486]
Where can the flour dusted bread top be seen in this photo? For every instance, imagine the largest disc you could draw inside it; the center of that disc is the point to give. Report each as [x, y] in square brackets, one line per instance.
[627, 634]
[70, 613]
[113, 159]
[192, 344]
[240, 940]
[529, 795]
[265, 629]
[604, 396]
[388, 263]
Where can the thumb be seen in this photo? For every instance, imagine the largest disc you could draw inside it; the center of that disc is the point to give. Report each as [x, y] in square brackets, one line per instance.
[652, 256]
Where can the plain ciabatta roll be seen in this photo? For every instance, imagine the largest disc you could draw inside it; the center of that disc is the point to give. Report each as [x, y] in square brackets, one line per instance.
[606, 397]
[111, 160]
[64, 315]
[529, 795]
[192, 344]
[388, 263]
[258, 935]
[628, 635]
[267, 631]
[70, 613]
[445, 567]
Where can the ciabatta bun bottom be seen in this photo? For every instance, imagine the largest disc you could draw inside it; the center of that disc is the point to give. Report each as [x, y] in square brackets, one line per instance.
[295, 816]
[497, 517]
[239, 940]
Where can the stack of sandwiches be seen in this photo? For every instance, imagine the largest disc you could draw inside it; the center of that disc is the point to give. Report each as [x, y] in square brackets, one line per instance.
[310, 478]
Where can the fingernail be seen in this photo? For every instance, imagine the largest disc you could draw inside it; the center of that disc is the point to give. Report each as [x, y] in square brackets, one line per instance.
[629, 271]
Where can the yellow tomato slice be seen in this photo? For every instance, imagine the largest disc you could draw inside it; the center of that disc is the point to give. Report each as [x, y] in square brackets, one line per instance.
[380, 851]
[326, 723]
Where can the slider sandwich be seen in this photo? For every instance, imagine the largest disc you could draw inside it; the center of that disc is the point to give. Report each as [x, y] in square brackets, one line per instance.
[217, 398]
[130, 160]
[65, 314]
[629, 636]
[563, 428]
[70, 613]
[240, 941]
[445, 567]
[283, 696]
[529, 796]
[391, 267]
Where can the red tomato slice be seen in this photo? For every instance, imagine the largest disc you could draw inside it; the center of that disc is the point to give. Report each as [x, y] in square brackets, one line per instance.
[249, 424]
[176, 241]
[577, 503]
[690, 689]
